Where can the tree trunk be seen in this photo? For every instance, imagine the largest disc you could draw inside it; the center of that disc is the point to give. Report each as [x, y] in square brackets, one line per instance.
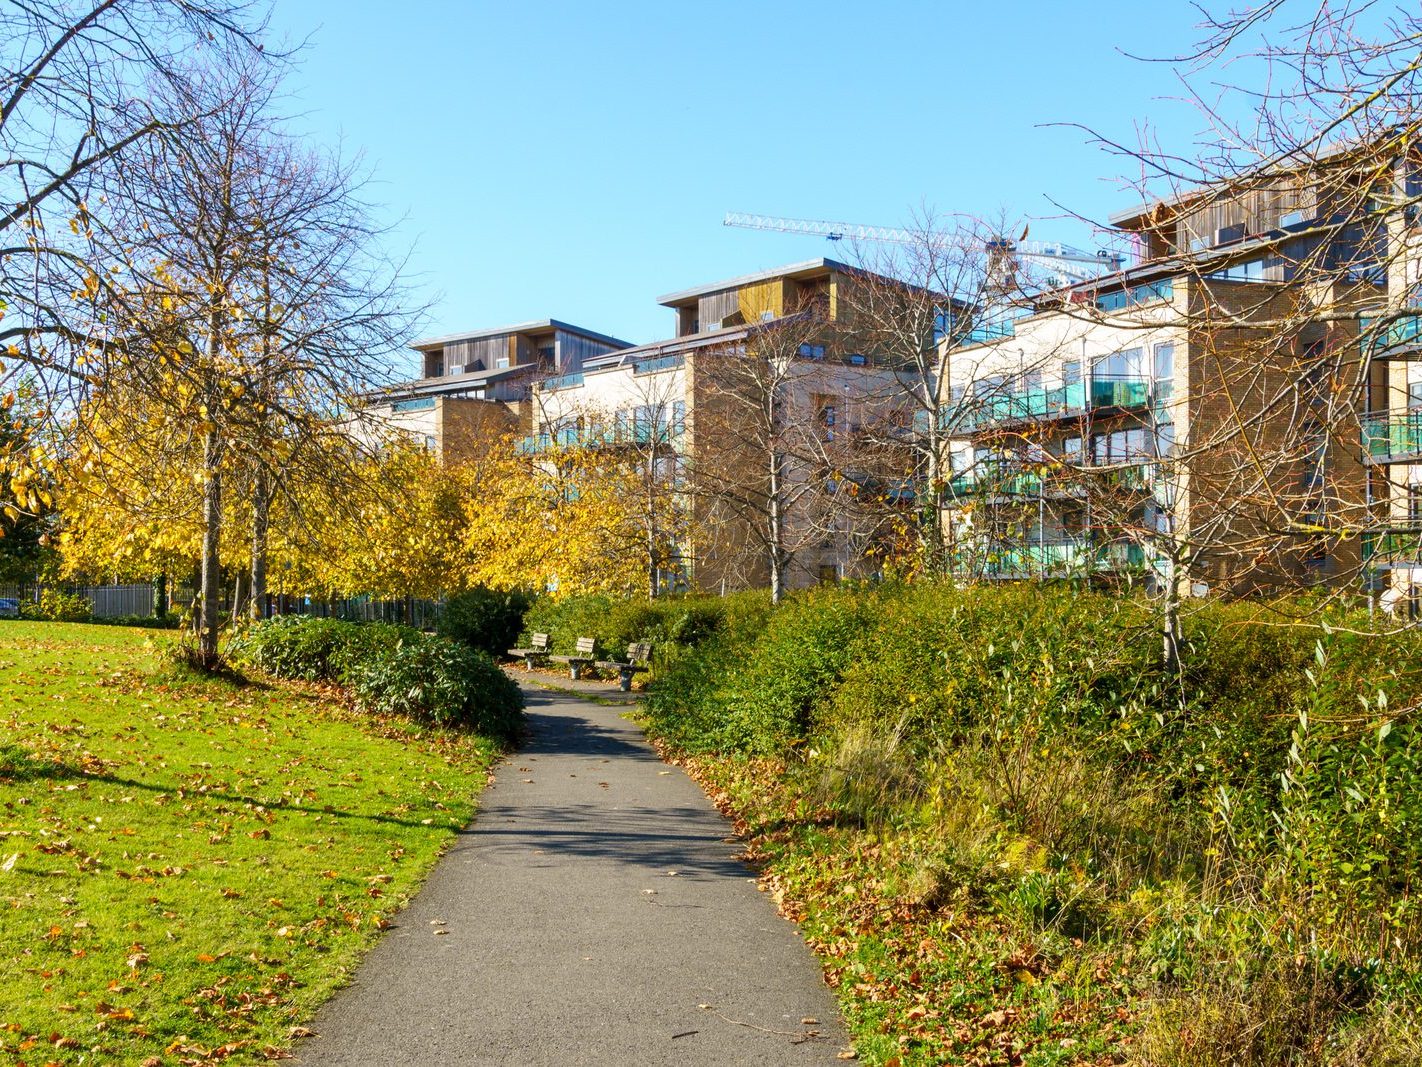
[775, 522]
[261, 519]
[160, 595]
[211, 594]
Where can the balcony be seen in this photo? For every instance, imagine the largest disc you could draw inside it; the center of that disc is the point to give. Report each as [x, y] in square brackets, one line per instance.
[1390, 437]
[996, 483]
[626, 435]
[1380, 339]
[1107, 392]
[1062, 556]
[1009, 407]
[1397, 547]
[566, 381]
[651, 366]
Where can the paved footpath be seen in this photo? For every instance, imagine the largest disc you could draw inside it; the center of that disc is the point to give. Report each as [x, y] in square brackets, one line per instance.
[588, 913]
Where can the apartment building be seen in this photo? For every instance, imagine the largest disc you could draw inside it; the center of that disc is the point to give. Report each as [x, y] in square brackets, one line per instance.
[1178, 420]
[1391, 430]
[758, 419]
[475, 387]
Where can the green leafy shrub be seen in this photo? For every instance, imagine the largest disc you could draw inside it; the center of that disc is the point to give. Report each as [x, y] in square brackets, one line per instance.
[306, 648]
[292, 646]
[57, 606]
[485, 619]
[441, 681]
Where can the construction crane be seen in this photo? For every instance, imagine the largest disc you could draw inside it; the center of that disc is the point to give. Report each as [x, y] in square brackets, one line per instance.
[1071, 264]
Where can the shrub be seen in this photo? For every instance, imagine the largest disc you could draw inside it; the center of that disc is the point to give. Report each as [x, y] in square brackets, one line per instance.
[485, 619]
[291, 646]
[312, 649]
[441, 681]
[57, 606]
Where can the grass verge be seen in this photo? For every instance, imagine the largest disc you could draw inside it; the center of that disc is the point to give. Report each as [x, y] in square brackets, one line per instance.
[188, 868]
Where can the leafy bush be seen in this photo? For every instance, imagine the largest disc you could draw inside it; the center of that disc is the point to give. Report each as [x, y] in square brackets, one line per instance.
[441, 681]
[57, 606]
[390, 669]
[292, 646]
[311, 649]
[485, 619]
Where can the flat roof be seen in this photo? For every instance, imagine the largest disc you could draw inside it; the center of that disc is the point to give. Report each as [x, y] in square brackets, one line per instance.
[537, 326]
[792, 270]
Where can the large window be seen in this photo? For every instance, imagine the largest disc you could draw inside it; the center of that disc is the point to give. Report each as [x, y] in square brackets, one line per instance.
[1164, 371]
[1120, 366]
[1121, 446]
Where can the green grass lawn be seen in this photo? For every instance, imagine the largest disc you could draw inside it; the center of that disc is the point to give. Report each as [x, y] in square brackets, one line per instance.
[187, 868]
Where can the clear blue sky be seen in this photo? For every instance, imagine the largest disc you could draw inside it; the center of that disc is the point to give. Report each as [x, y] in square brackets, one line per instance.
[574, 160]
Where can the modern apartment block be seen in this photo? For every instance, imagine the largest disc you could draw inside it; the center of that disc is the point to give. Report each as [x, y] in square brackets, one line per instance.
[750, 411]
[475, 387]
[1391, 430]
[1177, 419]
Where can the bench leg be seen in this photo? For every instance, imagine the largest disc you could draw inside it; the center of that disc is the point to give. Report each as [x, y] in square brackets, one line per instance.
[625, 680]
[575, 671]
[528, 663]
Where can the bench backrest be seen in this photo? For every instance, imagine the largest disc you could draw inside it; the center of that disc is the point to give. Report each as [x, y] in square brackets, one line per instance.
[639, 652]
[540, 643]
[587, 646]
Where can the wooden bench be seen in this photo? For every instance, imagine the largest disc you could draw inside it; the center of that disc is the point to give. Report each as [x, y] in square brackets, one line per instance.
[639, 658]
[531, 656]
[586, 656]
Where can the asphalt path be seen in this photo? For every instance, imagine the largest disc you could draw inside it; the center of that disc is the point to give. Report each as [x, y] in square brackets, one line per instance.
[594, 913]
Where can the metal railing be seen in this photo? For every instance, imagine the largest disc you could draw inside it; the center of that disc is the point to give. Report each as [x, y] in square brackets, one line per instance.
[1008, 406]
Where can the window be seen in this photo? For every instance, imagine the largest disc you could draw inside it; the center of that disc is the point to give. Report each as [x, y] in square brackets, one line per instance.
[430, 443]
[1165, 439]
[1120, 366]
[501, 362]
[858, 359]
[1164, 371]
[812, 351]
[678, 418]
[829, 573]
[1030, 381]
[1071, 449]
[1121, 446]
[827, 415]
[1071, 372]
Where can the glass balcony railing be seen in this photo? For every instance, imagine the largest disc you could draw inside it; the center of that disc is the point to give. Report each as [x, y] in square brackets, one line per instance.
[566, 381]
[650, 366]
[1000, 483]
[622, 435]
[1391, 435]
[1058, 557]
[1119, 392]
[1009, 406]
[1402, 334]
[1392, 548]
